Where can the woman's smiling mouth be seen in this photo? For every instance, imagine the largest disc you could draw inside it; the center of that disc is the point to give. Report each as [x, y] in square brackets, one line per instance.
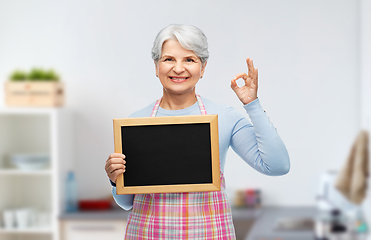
[178, 79]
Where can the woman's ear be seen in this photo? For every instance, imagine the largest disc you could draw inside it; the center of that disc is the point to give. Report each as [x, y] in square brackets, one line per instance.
[156, 67]
[203, 68]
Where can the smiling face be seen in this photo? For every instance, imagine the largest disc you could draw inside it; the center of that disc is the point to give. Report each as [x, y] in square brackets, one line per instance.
[178, 69]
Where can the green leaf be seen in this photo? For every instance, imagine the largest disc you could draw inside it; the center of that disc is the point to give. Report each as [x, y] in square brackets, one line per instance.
[18, 75]
[50, 75]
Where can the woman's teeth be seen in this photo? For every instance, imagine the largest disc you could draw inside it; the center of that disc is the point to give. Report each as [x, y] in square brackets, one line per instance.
[178, 78]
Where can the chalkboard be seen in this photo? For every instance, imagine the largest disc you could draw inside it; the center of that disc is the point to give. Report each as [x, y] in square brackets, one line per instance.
[168, 154]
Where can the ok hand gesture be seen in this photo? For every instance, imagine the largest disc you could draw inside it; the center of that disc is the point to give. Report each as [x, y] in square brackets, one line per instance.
[248, 92]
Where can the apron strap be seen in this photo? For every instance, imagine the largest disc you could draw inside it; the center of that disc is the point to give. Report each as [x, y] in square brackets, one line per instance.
[155, 108]
[201, 105]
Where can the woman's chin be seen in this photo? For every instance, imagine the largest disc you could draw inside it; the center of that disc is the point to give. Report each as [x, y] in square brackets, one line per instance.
[179, 91]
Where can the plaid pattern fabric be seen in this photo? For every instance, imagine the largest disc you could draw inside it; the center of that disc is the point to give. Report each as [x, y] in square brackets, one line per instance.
[155, 108]
[192, 215]
[201, 105]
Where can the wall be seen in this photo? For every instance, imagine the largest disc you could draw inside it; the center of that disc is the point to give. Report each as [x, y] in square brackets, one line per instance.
[306, 52]
[365, 77]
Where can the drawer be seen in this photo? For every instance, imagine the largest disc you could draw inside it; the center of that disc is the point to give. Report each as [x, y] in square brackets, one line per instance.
[93, 229]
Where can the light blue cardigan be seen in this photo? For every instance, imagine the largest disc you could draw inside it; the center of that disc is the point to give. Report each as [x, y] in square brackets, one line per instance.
[259, 145]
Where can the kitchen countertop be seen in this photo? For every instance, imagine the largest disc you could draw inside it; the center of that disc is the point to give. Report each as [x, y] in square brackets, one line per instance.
[112, 214]
[243, 218]
[117, 214]
[264, 226]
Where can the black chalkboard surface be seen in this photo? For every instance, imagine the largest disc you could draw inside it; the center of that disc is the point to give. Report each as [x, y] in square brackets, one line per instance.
[168, 154]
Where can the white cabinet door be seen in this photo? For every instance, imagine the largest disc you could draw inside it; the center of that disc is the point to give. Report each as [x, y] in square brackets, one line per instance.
[93, 230]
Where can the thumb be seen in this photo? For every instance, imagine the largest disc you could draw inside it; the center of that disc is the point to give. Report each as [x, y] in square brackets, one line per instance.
[234, 85]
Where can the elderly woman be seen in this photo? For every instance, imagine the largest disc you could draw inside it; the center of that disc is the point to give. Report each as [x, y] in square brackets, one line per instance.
[180, 54]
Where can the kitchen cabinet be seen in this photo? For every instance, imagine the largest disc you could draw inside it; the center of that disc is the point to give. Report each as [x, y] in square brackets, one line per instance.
[91, 225]
[34, 131]
[93, 229]
[265, 227]
[292, 223]
[94, 225]
[243, 220]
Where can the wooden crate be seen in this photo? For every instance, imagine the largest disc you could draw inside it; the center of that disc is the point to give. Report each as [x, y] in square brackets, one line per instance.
[34, 94]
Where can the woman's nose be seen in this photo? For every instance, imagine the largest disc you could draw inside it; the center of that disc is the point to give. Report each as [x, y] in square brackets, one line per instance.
[178, 67]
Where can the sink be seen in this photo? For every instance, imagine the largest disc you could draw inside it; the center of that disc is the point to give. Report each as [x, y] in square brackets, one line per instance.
[294, 224]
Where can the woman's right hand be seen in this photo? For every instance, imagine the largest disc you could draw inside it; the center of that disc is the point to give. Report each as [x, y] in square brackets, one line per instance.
[115, 165]
[248, 92]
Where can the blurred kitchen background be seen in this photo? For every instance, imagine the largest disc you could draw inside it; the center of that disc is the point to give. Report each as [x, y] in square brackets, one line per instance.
[314, 59]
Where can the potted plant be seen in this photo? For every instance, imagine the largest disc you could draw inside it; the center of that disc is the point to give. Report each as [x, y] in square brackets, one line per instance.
[38, 87]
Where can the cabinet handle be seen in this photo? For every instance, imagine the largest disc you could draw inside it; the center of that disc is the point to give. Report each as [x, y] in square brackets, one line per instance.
[94, 228]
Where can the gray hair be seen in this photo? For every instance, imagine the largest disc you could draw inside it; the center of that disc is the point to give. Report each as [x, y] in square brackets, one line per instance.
[189, 37]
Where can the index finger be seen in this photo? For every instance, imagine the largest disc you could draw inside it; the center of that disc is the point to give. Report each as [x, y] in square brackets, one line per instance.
[250, 66]
[116, 155]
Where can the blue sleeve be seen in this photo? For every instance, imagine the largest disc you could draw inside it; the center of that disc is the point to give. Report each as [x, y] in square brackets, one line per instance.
[259, 145]
[124, 201]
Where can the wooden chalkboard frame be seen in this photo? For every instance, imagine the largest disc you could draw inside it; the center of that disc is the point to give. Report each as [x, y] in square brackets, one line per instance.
[212, 120]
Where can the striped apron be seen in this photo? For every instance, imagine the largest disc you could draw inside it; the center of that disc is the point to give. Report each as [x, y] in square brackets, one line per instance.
[189, 215]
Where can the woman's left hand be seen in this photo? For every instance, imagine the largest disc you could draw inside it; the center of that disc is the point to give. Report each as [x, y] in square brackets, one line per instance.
[248, 92]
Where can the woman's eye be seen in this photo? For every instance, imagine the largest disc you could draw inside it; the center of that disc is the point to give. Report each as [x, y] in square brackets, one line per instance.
[189, 60]
[168, 59]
